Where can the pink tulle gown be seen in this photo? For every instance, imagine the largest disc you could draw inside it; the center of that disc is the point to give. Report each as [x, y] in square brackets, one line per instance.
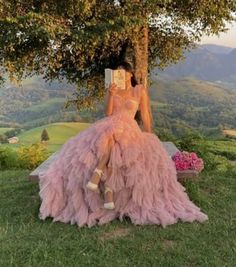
[143, 179]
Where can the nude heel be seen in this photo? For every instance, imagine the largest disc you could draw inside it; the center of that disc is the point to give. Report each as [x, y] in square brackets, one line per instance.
[108, 205]
[92, 186]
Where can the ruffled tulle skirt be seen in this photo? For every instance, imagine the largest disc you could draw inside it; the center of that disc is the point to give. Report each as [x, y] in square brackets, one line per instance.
[143, 178]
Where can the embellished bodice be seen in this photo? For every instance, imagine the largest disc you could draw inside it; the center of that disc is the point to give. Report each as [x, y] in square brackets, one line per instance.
[129, 105]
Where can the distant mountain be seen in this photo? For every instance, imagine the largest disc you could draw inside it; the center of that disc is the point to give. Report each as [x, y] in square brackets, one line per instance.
[217, 49]
[203, 64]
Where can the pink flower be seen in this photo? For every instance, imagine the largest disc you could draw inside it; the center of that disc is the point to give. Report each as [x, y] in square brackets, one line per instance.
[187, 161]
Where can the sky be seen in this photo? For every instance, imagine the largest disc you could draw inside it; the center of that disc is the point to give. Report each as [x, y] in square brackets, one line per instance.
[225, 39]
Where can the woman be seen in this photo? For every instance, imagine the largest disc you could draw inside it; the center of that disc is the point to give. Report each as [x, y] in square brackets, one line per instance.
[114, 169]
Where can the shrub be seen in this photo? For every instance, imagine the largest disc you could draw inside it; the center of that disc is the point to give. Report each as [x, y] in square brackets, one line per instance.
[32, 156]
[13, 132]
[8, 159]
[215, 162]
[164, 134]
[3, 139]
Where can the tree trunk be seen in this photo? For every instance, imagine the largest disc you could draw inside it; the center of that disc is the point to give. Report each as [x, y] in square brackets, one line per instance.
[140, 61]
[140, 49]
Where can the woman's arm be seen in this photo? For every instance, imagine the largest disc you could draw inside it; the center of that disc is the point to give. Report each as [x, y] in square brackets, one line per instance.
[109, 103]
[144, 110]
[109, 99]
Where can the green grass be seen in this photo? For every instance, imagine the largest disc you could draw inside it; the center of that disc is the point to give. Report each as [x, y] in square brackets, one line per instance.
[58, 134]
[3, 130]
[223, 148]
[28, 241]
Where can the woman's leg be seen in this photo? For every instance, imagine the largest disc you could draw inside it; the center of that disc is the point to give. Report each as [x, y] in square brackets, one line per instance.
[98, 172]
[96, 177]
[108, 194]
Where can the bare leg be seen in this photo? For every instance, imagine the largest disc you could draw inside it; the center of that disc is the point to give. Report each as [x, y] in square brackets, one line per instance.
[98, 172]
[96, 177]
[109, 204]
[108, 194]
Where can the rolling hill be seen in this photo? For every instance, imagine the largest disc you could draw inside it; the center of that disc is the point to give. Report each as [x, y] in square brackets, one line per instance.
[35, 99]
[58, 134]
[188, 104]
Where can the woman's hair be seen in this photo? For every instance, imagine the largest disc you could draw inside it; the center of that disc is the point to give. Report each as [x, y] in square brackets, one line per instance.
[128, 67]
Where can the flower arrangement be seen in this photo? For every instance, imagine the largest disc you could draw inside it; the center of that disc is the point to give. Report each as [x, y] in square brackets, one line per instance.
[187, 161]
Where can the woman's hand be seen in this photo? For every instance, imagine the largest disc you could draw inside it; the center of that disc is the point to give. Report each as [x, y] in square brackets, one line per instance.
[112, 89]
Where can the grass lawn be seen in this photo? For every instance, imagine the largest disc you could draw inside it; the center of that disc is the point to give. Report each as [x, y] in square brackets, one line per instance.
[58, 133]
[28, 241]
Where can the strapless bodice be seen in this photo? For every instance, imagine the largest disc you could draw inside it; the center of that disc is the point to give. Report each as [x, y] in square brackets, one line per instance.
[128, 106]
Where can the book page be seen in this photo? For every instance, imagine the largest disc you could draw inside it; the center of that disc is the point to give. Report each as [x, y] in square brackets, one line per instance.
[119, 78]
[108, 77]
[115, 76]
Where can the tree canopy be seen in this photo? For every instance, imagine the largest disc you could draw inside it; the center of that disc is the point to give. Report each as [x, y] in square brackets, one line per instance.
[74, 40]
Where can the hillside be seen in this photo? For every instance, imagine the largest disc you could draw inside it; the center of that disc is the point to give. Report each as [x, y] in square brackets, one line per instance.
[32, 92]
[34, 100]
[189, 90]
[177, 105]
[58, 134]
[207, 62]
[187, 104]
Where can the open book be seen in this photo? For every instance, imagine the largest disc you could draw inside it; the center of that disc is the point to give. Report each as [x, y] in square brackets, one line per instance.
[115, 76]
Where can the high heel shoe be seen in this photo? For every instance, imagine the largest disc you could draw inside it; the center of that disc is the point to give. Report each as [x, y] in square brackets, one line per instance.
[108, 205]
[92, 186]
